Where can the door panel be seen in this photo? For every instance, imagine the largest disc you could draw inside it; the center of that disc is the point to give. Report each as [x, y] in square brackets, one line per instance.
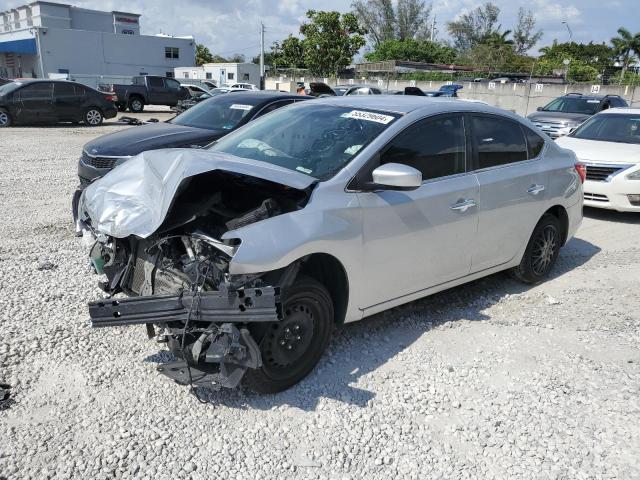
[156, 91]
[512, 190]
[421, 238]
[414, 240]
[36, 103]
[66, 102]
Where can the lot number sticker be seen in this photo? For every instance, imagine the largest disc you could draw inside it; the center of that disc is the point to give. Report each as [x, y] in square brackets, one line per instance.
[539, 87]
[595, 88]
[369, 116]
[492, 85]
[239, 106]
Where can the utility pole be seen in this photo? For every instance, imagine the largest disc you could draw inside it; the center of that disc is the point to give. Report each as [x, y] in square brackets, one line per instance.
[569, 30]
[433, 28]
[262, 56]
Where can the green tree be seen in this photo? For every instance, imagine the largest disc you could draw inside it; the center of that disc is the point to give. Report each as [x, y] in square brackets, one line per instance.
[218, 59]
[596, 55]
[377, 17]
[203, 55]
[470, 28]
[408, 20]
[412, 50]
[237, 58]
[331, 40]
[524, 36]
[497, 39]
[625, 47]
[412, 17]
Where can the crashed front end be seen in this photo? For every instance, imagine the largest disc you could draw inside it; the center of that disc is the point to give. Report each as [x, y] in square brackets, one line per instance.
[156, 224]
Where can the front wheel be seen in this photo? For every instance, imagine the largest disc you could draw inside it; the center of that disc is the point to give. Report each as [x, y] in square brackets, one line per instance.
[92, 117]
[5, 118]
[542, 251]
[292, 347]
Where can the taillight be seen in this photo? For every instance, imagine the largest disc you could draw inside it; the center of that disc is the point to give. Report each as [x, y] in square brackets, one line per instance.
[581, 168]
[111, 98]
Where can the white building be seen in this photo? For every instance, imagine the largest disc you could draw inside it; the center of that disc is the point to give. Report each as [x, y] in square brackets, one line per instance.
[45, 38]
[222, 73]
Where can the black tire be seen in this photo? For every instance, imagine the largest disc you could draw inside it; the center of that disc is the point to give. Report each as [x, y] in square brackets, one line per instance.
[136, 104]
[292, 347]
[5, 118]
[542, 251]
[92, 117]
[121, 107]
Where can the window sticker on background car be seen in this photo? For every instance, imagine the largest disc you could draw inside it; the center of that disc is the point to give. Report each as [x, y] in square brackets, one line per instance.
[593, 101]
[304, 170]
[239, 106]
[370, 116]
[353, 149]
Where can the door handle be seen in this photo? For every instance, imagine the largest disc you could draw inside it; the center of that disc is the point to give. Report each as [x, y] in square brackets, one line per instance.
[535, 189]
[463, 205]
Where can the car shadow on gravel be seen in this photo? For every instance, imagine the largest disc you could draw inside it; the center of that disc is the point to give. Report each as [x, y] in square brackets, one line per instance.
[631, 218]
[368, 347]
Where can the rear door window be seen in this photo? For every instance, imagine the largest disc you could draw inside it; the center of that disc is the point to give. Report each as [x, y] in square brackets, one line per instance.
[155, 82]
[435, 146]
[64, 90]
[498, 141]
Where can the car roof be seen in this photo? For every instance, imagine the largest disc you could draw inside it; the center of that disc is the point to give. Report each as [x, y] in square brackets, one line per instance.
[258, 96]
[404, 104]
[620, 110]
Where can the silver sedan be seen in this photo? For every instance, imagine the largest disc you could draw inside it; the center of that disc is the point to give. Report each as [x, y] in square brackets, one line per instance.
[243, 257]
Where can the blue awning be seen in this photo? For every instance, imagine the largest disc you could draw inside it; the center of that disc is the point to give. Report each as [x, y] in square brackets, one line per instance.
[28, 46]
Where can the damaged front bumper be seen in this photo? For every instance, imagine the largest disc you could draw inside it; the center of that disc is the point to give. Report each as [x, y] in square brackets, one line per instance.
[219, 348]
[240, 306]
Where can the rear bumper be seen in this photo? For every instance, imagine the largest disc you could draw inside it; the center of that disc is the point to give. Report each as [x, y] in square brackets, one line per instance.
[613, 195]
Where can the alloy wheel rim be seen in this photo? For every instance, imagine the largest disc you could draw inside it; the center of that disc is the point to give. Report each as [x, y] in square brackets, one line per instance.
[136, 104]
[93, 117]
[4, 118]
[544, 250]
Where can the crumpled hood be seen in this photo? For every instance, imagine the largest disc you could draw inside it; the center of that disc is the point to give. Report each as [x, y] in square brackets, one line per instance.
[134, 140]
[134, 198]
[574, 118]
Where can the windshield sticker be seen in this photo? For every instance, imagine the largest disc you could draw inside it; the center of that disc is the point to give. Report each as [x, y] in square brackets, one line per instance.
[304, 170]
[593, 101]
[369, 116]
[239, 106]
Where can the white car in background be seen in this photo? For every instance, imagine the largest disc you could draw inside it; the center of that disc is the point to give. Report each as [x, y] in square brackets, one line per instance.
[609, 145]
[245, 86]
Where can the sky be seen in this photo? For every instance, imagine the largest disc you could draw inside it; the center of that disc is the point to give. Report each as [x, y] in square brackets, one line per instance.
[232, 26]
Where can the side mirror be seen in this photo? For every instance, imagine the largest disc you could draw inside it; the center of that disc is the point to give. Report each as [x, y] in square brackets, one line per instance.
[395, 176]
[540, 109]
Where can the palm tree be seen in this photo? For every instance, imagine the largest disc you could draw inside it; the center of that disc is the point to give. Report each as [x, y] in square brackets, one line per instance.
[625, 46]
[497, 39]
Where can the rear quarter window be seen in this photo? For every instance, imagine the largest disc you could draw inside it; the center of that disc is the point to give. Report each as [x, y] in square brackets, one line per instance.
[535, 143]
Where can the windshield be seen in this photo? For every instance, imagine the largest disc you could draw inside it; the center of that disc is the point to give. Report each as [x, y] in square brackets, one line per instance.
[221, 113]
[340, 90]
[316, 140]
[587, 106]
[9, 87]
[621, 128]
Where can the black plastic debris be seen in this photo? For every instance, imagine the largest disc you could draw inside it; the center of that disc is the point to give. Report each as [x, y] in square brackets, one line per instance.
[47, 265]
[5, 394]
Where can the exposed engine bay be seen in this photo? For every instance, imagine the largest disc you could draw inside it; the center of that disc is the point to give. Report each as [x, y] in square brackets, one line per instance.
[178, 278]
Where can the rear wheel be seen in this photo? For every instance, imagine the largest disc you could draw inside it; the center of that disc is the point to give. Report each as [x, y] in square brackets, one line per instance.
[292, 347]
[542, 251]
[92, 117]
[5, 118]
[136, 105]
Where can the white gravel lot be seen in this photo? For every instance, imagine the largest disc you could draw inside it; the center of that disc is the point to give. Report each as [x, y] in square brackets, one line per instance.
[491, 380]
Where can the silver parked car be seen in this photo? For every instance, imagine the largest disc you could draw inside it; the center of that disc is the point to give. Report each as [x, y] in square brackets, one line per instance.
[244, 256]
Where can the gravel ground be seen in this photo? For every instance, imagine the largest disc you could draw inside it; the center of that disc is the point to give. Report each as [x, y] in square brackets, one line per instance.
[491, 380]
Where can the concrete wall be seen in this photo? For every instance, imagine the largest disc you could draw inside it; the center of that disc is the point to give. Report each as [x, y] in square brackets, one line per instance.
[520, 98]
[99, 53]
